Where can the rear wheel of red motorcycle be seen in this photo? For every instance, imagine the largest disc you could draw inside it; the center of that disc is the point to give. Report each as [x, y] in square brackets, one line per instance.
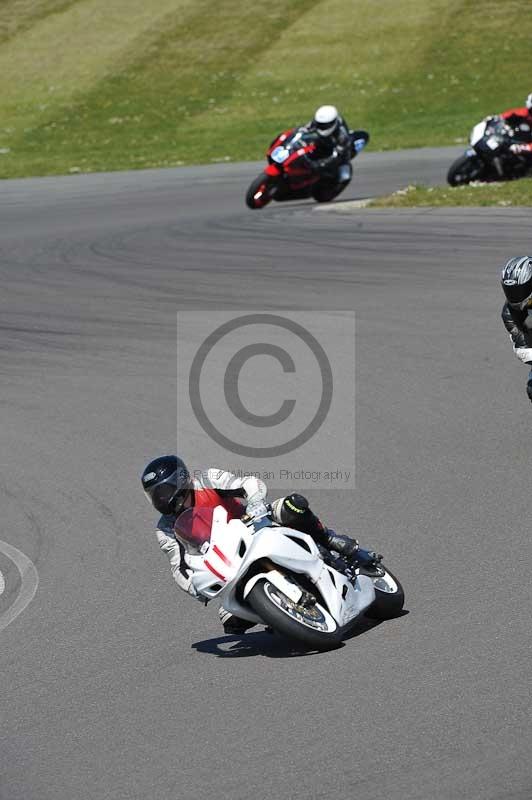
[261, 191]
[325, 191]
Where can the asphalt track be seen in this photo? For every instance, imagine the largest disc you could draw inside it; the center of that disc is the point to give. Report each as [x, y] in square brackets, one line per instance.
[115, 684]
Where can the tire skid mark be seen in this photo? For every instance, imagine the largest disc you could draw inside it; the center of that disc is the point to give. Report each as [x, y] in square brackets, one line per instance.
[30, 581]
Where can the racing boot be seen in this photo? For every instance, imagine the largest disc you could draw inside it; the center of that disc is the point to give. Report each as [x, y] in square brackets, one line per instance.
[351, 550]
[343, 545]
[233, 624]
[294, 512]
[368, 558]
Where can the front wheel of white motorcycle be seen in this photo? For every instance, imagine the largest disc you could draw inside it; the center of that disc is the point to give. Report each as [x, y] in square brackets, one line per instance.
[310, 624]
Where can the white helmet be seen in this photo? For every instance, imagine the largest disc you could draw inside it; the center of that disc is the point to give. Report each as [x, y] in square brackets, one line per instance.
[326, 120]
[529, 102]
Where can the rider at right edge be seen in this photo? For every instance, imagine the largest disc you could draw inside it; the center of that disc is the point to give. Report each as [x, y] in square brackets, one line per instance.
[516, 282]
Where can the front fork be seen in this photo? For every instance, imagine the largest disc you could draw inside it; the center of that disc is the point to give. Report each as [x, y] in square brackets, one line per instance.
[498, 166]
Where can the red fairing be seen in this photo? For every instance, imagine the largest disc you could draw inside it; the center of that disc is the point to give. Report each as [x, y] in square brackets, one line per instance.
[272, 170]
[517, 112]
[209, 498]
[280, 139]
[291, 166]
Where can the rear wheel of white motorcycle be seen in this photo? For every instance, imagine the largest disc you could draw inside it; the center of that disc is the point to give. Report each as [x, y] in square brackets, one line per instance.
[389, 594]
[311, 625]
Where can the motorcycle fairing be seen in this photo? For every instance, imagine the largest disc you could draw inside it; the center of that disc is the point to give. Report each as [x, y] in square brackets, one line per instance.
[478, 132]
[233, 549]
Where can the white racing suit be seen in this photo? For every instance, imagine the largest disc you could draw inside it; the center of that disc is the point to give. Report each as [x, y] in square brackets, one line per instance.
[238, 495]
[212, 487]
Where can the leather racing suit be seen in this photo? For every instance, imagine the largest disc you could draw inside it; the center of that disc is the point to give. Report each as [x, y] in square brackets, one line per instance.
[520, 119]
[516, 323]
[239, 495]
[212, 488]
[333, 152]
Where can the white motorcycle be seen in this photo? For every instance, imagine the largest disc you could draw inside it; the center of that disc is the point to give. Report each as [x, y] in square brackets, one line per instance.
[489, 156]
[277, 576]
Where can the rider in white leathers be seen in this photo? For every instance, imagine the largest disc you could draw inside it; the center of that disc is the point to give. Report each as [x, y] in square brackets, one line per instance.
[170, 488]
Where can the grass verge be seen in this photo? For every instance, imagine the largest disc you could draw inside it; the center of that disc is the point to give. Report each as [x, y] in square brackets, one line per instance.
[513, 193]
[92, 85]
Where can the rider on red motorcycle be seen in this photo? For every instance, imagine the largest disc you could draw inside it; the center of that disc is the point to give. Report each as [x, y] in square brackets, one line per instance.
[333, 144]
[313, 160]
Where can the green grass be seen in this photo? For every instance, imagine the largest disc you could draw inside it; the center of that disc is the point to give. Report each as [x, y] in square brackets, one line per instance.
[97, 85]
[514, 193]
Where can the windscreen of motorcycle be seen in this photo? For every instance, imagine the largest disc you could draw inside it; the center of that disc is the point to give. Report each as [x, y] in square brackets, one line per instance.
[193, 529]
[280, 154]
[477, 133]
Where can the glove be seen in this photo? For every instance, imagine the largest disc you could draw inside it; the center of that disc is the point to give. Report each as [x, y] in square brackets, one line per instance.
[524, 354]
[180, 571]
[519, 149]
[257, 508]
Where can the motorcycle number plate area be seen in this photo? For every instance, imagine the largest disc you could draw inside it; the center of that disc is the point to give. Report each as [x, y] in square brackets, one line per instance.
[280, 154]
[492, 143]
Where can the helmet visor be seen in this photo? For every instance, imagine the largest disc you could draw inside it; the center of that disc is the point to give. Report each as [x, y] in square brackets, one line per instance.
[166, 497]
[517, 295]
[326, 128]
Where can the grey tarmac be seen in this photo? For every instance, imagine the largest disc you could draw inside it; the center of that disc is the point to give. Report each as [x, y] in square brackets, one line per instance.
[117, 685]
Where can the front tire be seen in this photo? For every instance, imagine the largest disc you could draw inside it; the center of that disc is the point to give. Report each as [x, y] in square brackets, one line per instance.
[313, 627]
[389, 594]
[465, 170]
[261, 191]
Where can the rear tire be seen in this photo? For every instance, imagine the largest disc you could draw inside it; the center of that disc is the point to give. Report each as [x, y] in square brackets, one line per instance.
[324, 192]
[465, 170]
[261, 191]
[387, 604]
[272, 613]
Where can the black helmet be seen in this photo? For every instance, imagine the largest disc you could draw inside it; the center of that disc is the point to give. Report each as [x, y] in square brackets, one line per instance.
[167, 483]
[516, 281]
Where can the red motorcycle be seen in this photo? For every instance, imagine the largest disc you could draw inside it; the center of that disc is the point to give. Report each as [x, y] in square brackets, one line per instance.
[289, 176]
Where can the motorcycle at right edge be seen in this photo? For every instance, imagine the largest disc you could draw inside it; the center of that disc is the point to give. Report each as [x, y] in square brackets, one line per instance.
[489, 158]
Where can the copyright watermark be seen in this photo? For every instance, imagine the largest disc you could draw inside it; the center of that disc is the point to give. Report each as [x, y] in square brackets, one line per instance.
[270, 393]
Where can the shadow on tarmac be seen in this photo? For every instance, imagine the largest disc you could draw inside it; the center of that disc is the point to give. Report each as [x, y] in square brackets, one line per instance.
[272, 645]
